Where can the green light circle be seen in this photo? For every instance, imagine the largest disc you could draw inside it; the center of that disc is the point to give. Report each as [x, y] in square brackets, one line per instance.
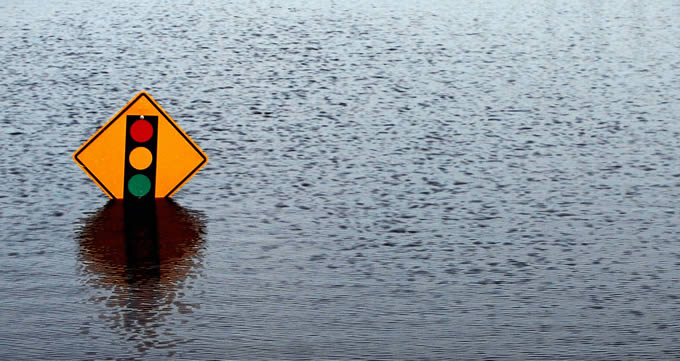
[139, 185]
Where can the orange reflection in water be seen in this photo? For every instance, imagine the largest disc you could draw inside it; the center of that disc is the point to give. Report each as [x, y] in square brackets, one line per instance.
[138, 259]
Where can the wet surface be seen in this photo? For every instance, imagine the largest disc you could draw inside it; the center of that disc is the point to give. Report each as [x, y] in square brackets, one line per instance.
[386, 180]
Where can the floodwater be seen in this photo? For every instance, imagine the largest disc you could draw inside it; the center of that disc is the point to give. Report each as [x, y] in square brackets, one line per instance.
[387, 180]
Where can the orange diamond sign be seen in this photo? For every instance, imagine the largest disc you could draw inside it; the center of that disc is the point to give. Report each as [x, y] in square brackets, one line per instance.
[140, 153]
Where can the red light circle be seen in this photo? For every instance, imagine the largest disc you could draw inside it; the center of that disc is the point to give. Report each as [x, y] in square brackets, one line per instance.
[141, 131]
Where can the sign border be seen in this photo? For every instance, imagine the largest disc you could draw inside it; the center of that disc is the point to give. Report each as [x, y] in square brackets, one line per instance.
[118, 116]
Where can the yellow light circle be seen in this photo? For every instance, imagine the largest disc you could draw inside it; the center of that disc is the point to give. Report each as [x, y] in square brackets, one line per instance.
[140, 158]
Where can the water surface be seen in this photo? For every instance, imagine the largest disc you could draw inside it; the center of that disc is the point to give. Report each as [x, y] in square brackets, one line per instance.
[387, 180]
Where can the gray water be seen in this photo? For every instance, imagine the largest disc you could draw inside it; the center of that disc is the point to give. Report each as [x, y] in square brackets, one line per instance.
[387, 180]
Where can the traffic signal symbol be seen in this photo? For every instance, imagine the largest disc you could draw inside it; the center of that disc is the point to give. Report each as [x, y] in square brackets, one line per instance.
[140, 154]
[129, 144]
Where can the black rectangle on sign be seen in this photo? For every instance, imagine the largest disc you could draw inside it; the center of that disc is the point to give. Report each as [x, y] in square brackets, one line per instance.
[133, 188]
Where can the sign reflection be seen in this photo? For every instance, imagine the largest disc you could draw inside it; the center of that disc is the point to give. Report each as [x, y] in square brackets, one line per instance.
[138, 258]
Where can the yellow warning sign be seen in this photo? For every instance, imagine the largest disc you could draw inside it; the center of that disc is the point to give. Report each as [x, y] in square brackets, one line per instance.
[140, 152]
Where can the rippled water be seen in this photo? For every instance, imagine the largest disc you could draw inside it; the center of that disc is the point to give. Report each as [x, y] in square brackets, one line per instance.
[387, 180]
